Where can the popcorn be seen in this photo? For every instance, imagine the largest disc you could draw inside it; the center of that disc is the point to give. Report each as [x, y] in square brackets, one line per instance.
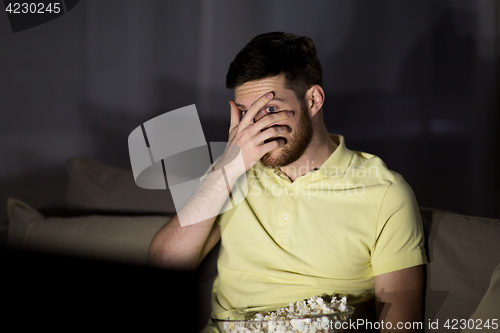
[297, 316]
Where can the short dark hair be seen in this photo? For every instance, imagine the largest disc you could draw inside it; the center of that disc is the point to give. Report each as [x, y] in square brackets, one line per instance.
[276, 53]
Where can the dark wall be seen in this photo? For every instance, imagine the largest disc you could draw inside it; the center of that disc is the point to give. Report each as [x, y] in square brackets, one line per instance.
[413, 82]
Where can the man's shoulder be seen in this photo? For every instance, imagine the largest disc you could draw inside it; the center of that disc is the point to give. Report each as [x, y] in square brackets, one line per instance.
[358, 166]
[371, 168]
[370, 171]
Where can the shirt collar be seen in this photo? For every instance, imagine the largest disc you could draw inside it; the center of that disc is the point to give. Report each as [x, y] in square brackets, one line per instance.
[338, 162]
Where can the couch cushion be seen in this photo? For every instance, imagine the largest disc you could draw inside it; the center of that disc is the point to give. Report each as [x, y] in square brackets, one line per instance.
[488, 309]
[98, 186]
[117, 238]
[463, 253]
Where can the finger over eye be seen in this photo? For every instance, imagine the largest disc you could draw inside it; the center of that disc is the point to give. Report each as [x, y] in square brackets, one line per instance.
[261, 114]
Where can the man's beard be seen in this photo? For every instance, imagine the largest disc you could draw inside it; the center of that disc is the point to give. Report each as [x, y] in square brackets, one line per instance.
[295, 147]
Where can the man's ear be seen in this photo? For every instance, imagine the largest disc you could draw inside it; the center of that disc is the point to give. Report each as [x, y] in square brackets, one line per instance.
[315, 97]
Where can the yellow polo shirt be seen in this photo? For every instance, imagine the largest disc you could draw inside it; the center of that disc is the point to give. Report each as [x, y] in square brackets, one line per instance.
[330, 231]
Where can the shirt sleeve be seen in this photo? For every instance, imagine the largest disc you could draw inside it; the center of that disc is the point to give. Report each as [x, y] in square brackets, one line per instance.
[399, 237]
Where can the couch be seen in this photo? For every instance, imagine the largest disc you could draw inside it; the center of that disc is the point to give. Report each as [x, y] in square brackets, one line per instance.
[109, 222]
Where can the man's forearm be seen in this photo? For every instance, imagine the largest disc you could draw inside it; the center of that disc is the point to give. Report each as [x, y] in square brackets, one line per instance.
[399, 300]
[180, 242]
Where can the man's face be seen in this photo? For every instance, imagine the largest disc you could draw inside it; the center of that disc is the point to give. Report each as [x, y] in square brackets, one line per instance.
[284, 100]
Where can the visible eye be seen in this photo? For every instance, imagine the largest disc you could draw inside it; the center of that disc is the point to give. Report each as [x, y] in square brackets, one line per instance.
[243, 112]
[271, 109]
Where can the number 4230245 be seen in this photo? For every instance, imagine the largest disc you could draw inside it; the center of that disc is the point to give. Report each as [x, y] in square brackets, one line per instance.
[33, 8]
[455, 324]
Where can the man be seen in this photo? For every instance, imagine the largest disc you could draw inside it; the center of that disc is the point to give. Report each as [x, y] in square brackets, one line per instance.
[318, 218]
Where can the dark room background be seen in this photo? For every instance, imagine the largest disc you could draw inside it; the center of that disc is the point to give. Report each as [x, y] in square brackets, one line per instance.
[414, 82]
